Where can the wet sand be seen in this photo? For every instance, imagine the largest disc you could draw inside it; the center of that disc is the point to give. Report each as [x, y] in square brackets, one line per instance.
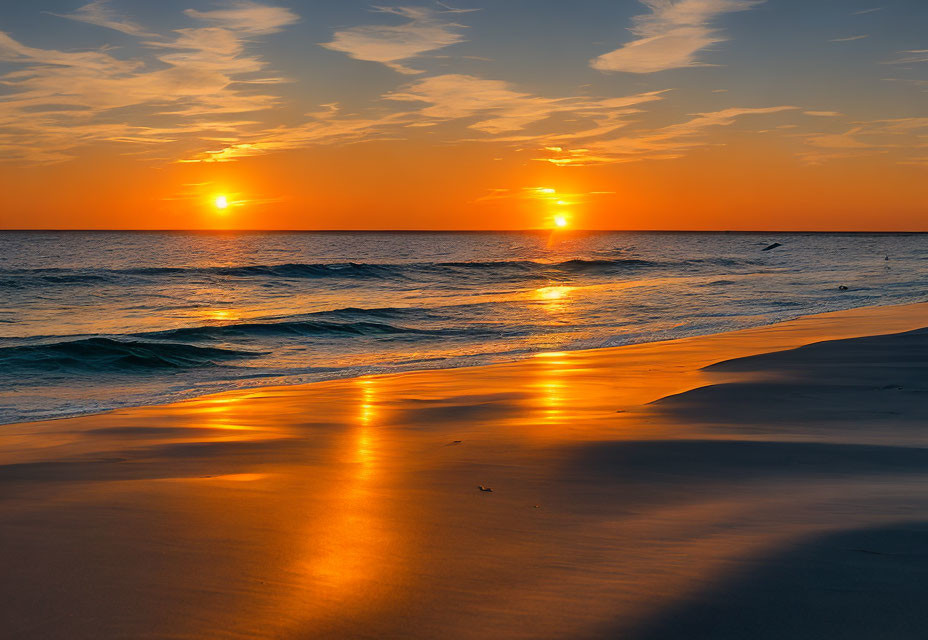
[728, 486]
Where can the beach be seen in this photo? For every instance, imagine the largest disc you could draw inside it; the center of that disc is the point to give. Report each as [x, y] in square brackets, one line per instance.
[463, 320]
[762, 483]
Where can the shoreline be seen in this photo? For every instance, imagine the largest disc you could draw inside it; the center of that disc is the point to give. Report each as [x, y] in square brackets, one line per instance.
[193, 395]
[635, 493]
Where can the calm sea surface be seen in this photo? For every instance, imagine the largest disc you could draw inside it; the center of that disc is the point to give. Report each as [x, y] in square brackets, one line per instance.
[92, 321]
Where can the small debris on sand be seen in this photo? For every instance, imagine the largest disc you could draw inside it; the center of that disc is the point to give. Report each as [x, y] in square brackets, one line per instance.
[842, 288]
[483, 488]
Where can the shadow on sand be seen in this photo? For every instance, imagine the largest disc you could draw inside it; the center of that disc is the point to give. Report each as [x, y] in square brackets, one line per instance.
[880, 378]
[866, 584]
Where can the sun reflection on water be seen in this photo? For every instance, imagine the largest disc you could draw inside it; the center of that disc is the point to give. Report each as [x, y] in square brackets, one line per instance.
[555, 298]
[553, 293]
[220, 315]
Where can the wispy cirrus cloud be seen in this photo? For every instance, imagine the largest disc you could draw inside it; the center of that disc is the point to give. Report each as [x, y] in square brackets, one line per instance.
[543, 194]
[426, 30]
[99, 13]
[491, 107]
[850, 38]
[664, 143]
[571, 131]
[913, 82]
[497, 107]
[671, 35]
[325, 127]
[912, 56]
[57, 101]
[247, 17]
[907, 138]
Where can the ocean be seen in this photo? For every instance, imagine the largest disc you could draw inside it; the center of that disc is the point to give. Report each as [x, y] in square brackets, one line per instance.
[91, 321]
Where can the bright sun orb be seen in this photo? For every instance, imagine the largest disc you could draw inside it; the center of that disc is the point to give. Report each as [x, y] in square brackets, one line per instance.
[560, 221]
[221, 202]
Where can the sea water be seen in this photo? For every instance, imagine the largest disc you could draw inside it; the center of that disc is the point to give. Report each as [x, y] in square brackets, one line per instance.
[96, 320]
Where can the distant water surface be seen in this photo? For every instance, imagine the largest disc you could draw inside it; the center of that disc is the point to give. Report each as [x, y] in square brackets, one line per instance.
[99, 320]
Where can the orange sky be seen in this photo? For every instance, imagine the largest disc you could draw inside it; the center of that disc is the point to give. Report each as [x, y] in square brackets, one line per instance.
[385, 185]
[647, 114]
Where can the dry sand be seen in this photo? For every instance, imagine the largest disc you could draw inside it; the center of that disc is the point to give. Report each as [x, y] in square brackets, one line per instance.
[635, 494]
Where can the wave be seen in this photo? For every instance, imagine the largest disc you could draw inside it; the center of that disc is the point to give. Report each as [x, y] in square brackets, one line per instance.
[300, 328]
[23, 278]
[344, 322]
[604, 265]
[100, 354]
[288, 270]
[373, 270]
[442, 273]
[349, 270]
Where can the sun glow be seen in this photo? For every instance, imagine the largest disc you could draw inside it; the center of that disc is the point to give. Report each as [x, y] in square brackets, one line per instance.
[560, 221]
[221, 202]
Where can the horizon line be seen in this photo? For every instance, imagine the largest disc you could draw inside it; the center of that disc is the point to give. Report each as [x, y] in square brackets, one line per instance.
[527, 230]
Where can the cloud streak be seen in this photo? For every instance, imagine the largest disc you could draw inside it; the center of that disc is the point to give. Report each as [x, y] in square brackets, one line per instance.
[671, 35]
[392, 45]
[247, 17]
[493, 108]
[100, 14]
[907, 138]
[912, 56]
[326, 127]
[850, 38]
[498, 108]
[57, 101]
[664, 143]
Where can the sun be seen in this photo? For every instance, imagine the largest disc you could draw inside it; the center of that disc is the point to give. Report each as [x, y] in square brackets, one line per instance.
[560, 221]
[221, 202]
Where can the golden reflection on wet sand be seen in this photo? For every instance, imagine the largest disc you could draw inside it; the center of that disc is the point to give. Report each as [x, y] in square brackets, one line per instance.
[349, 549]
[351, 509]
[551, 385]
[221, 413]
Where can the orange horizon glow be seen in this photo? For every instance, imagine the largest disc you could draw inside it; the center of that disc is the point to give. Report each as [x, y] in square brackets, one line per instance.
[356, 192]
[125, 135]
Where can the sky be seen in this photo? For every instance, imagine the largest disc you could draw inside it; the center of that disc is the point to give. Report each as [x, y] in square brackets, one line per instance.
[465, 114]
